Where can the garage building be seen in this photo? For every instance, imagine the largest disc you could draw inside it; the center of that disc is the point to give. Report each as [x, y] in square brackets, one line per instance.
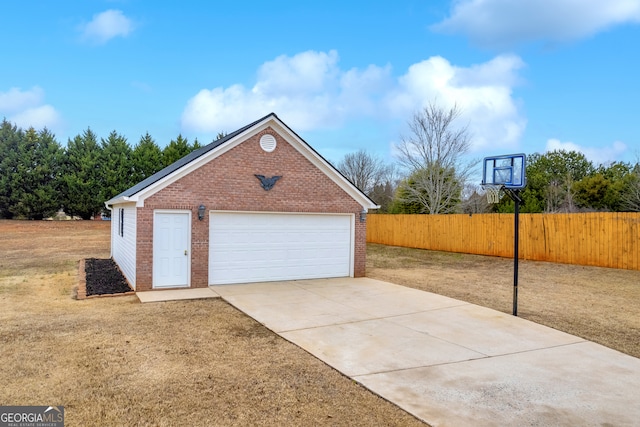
[256, 205]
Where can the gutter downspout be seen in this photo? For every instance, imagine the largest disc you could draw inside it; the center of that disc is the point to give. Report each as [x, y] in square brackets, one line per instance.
[110, 230]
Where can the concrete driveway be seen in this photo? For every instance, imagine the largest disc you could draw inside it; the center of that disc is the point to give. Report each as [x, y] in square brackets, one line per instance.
[448, 362]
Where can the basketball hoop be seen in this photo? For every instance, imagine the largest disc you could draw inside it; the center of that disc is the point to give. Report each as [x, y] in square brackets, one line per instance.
[507, 174]
[493, 193]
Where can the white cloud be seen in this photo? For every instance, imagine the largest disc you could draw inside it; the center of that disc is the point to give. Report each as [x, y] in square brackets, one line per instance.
[307, 72]
[16, 100]
[483, 92]
[27, 109]
[505, 23]
[107, 25]
[309, 91]
[597, 155]
[361, 91]
[37, 117]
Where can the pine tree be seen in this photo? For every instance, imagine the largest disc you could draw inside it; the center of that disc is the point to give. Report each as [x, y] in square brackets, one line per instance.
[146, 158]
[36, 182]
[82, 176]
[10, 137]
[116, 166]
[29, 173]
[176, 150]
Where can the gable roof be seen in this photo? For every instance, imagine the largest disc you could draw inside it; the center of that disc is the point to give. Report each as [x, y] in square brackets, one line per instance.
[180, 163]
[202, 155]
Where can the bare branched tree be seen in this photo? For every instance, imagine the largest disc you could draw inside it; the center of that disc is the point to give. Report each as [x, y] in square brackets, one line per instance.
[631, 197]
[474, 200]
[560, 196]
[433, 157]
[365, 170]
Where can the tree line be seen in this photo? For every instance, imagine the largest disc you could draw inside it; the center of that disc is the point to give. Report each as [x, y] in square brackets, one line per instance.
[431, 175]
[566, 181]
[38, 176]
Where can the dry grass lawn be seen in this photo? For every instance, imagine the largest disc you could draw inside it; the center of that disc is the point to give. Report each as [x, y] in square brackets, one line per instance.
[599, 304]
[114, 361]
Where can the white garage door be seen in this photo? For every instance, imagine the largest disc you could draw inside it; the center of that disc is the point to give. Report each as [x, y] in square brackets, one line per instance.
[261, 247]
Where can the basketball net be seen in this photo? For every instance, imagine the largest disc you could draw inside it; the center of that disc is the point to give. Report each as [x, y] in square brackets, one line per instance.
[493, 193]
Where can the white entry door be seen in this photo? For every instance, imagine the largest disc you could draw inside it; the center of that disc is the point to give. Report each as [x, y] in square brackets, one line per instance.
[171, 249]
[255, 247]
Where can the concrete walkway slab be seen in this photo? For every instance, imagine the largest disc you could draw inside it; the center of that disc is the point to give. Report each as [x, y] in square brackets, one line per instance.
[485, 330]
[281, 314]
[398, 302]
[254, 288]
[377, 345]
[176, 294]
[561, 386]
[446, 361]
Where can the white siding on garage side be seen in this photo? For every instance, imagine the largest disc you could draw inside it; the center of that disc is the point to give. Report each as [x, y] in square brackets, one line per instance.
[123, 240]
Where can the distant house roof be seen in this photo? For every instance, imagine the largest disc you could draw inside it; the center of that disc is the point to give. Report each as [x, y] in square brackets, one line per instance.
[130, 194]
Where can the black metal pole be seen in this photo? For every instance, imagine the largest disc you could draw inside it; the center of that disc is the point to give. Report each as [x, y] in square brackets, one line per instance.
[515, 253]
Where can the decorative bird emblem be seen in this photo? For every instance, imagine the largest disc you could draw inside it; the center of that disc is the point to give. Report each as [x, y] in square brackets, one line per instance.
[268, 183]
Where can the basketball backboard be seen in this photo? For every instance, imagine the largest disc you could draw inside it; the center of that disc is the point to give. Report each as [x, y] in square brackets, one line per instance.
[506, 170]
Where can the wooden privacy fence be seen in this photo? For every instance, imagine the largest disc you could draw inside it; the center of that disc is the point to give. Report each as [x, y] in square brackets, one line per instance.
[608, 239]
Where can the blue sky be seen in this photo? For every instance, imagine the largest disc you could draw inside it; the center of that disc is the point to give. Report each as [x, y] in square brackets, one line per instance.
[529, 75]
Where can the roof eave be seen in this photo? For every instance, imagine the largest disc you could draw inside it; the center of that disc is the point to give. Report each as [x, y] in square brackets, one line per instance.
[120, 200]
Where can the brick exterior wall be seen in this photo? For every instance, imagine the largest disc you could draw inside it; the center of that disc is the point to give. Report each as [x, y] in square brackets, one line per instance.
[228, 183]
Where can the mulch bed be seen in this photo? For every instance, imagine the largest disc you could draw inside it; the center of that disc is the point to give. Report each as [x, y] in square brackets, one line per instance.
[104, 277]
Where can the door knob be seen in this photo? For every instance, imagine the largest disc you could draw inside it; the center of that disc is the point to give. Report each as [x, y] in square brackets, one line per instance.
[185, 252]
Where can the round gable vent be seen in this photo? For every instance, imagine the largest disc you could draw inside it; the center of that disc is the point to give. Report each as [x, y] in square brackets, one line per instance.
[268, 143]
